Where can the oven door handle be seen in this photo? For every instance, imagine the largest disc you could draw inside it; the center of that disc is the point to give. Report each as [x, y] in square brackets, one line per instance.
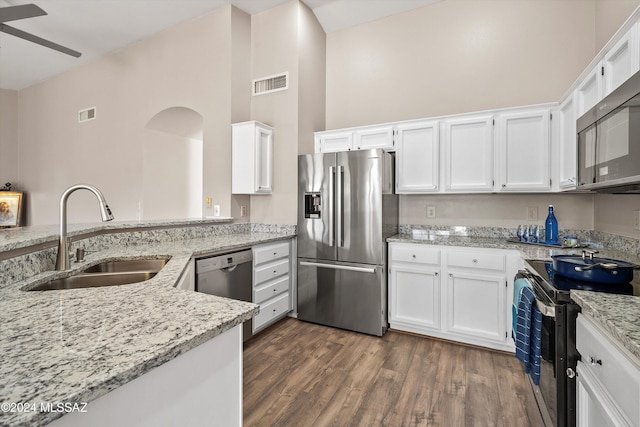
[546, 310]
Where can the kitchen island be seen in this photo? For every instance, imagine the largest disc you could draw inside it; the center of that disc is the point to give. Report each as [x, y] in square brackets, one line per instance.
[74, 346]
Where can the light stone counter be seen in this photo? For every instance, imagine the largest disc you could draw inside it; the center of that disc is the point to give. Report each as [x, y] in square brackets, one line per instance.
[619, 316]
[77, 345]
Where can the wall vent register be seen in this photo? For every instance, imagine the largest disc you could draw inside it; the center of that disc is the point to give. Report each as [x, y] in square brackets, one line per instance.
[270, 84]
[86, 114]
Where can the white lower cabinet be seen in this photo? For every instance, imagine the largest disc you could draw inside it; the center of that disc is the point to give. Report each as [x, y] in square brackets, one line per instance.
[272, 272]
[608, 382]
[476, 305]
[472, 302]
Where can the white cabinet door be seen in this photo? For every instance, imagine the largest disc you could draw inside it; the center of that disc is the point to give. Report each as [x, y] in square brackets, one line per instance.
[524, 151]
[374, 137]
[414, 298]
[476, 305]
[621, 61]
[468, 147]
[567, 144]
[251, 158]
[590, 90]
[593, 407]
[333, 141]
[417, 158]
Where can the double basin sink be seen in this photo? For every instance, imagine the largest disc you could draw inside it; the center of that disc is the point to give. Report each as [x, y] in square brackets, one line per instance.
[109, 273]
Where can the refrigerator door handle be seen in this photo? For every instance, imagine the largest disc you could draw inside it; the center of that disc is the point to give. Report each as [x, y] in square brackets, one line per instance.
[332, 212]
[340, 202]
[339, 267]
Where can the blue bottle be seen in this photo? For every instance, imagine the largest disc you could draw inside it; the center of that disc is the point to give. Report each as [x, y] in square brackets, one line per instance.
[551, 227]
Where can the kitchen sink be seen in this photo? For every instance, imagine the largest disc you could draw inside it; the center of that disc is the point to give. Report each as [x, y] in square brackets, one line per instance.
[108, 273]
[128, 265]
[95, 280]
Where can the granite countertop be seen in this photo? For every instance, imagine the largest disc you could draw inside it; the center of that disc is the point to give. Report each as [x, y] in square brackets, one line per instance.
[619, 315]
[77, 345]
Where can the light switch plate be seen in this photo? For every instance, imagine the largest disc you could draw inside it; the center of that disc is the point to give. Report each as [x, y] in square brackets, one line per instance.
[216, 210]
[431, 211]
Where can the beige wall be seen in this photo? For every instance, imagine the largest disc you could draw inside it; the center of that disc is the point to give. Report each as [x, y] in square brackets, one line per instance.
[9, 148]
[287, 38]
[456, 56]
[498, 210]
[186, 66]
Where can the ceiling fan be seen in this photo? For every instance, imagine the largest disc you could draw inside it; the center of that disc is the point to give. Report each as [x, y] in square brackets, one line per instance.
[13, 13]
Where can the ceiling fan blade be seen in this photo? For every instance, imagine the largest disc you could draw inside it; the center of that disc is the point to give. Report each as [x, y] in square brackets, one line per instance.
[13, 13]
[35, 39]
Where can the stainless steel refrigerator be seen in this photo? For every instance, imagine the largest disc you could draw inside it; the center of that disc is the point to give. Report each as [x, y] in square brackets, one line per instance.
[347, 209]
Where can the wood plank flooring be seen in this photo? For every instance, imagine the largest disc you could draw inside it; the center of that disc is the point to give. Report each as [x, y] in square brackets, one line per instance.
[301, 374]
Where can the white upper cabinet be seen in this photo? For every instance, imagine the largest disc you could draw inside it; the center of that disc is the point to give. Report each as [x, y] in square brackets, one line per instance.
[621, 61]
[362, 138]
[374, 137]
[251, 158]
[332, 141]
[590, 90]
[468, 154]
[524, 151]
[567, 150]
[417, 157]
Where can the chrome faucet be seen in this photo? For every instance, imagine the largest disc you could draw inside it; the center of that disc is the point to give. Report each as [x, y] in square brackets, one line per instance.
[62, 262]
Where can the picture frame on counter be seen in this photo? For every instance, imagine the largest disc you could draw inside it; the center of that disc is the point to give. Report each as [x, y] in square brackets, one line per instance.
[10, 208]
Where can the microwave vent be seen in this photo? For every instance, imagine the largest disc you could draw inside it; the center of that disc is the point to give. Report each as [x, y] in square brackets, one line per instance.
[271, 84]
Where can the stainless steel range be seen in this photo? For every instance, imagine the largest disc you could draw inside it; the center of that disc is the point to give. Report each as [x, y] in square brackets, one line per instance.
[556, 393]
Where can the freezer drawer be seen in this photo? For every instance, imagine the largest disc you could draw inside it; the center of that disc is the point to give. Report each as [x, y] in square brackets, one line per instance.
[343, 295]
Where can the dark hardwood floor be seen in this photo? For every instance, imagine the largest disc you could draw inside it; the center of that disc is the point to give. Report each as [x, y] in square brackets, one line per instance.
[301, 374]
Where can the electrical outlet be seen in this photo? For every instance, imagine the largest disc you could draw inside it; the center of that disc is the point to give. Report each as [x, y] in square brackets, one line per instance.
[207, 201]
[216, 210]
[532, 213]
[636, 220]
[243, 211]
[431, 211]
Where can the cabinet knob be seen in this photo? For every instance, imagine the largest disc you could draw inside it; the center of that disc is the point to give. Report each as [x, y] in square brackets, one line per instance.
[275, 254]
[504, 185]
[595, 361]
[413, 256]
[275, 272]
[436, 274]
[451, 275]
[475, 261]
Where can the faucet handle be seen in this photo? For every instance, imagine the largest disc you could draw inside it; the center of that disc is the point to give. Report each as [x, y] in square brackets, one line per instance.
[79, 254]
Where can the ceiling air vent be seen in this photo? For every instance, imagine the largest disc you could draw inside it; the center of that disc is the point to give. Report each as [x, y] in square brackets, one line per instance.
[271, 84]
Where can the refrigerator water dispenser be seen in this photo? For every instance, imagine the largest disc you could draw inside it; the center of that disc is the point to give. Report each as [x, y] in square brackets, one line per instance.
[312, 205]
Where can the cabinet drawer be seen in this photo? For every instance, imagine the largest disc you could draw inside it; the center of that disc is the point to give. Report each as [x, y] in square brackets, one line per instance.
[267, 253]
[619, 377]
[485, 261]
[271, 271]
[272, 309]
[271, 289]
[414, 252]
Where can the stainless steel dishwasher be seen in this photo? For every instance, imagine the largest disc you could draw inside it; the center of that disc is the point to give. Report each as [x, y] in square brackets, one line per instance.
[228, 275]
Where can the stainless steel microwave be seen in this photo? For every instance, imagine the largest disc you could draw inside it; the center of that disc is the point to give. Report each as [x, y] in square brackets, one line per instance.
[609, 142]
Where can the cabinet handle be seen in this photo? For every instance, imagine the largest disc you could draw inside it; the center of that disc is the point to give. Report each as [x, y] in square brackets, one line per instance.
[595, 361]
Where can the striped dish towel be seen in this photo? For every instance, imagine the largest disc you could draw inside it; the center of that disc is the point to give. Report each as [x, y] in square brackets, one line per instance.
[528, 333]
